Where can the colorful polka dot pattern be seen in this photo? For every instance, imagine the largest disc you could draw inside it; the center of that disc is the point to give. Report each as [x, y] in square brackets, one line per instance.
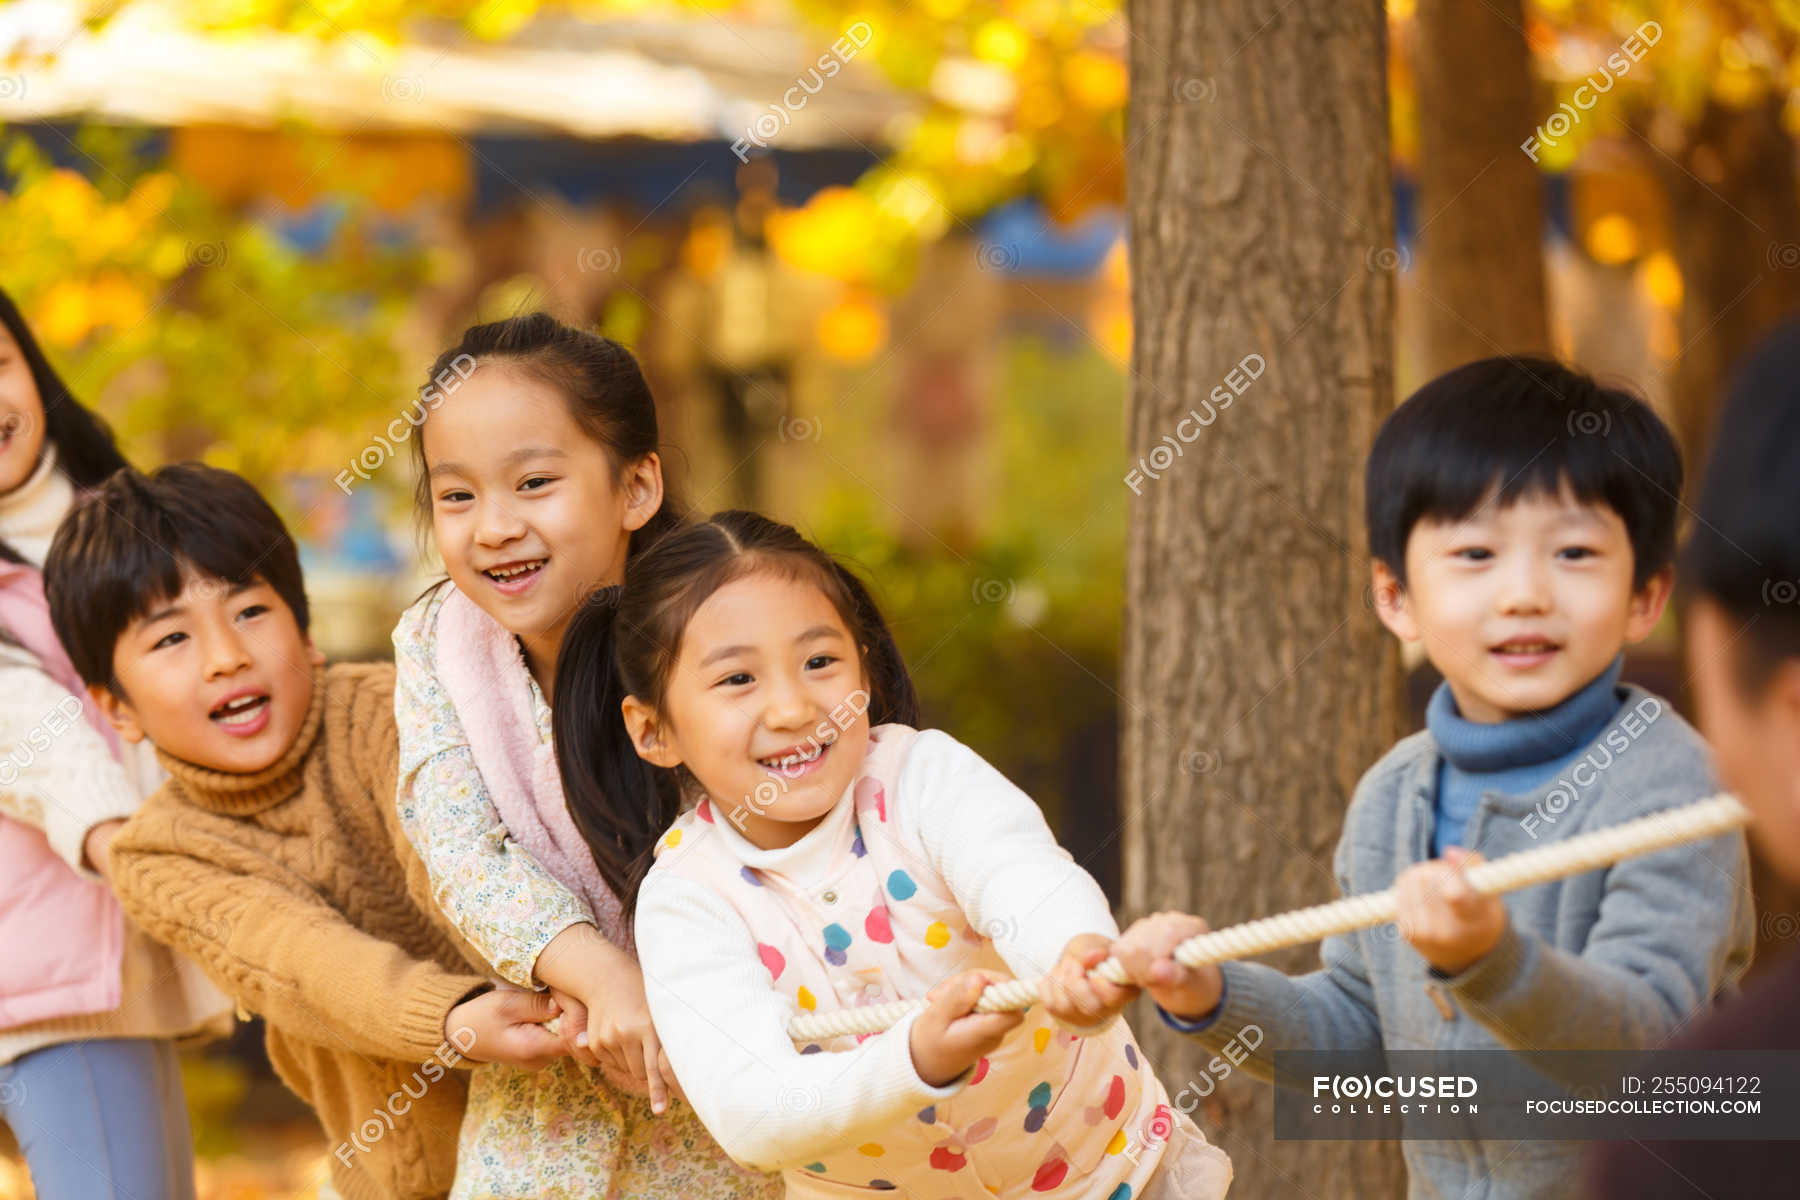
[877, 926]
[837, 940]
[853, 944]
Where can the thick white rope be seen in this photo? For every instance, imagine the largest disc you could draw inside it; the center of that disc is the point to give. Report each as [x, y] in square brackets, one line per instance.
[1583, 852]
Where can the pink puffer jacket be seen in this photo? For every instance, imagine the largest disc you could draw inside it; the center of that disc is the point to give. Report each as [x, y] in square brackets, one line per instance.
[64, 934]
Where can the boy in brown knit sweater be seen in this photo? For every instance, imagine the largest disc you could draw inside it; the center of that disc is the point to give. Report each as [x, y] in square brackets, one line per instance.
[272, 856]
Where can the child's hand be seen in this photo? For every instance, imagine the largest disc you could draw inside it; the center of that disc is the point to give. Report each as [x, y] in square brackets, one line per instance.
[668, 1074]
[508, 1024]
[1147, 952]
[572, 1028]
[620, 1032]
[1075, 1000]
[609, 984]
[1445, 919]
[949, 1037]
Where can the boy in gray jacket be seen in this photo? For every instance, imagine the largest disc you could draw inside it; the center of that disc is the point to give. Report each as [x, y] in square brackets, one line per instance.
[1522, 520]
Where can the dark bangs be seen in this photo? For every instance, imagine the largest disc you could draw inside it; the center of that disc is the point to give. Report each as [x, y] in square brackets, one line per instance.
[1512, 428]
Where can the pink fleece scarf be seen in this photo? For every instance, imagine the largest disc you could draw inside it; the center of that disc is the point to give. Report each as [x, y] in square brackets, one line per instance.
[483, 668]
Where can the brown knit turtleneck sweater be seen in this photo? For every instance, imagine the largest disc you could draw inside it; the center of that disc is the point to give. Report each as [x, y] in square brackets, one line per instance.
[297, 893]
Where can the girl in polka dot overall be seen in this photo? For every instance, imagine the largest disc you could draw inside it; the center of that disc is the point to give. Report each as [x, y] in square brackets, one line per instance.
[791, 843]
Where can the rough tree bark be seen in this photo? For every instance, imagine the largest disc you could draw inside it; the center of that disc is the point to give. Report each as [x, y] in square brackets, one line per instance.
[1257, 682]
[1481, 204]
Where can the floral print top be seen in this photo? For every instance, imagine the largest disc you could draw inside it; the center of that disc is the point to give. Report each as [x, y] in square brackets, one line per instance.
[565, 1132]
[504, 902]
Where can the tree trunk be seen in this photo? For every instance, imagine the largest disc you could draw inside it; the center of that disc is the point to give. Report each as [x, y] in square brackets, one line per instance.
[1481, 204]
[1734, 217]
[1257, 682]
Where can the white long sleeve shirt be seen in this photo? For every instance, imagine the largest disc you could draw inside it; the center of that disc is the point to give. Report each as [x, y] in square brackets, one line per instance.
[768, 1103]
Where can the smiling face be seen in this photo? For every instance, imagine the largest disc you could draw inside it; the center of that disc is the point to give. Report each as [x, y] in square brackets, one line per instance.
[530, 511]
[220, 676]
[21, 415]
[1520, 606]
[767, 705]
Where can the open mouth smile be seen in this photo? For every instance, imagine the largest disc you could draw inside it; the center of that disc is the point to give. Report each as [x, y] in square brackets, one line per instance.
[243, 714]
[514, 577]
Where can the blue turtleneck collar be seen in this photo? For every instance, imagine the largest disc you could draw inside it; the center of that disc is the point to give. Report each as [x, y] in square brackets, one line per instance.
[1511, 756]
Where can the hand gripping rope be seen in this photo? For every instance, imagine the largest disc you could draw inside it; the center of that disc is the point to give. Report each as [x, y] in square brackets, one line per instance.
[1584, 852]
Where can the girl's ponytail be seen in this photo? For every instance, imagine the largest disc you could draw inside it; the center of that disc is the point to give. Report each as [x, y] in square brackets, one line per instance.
[620, 803]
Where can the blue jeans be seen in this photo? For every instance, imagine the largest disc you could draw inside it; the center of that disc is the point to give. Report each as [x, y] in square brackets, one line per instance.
[101, 1120]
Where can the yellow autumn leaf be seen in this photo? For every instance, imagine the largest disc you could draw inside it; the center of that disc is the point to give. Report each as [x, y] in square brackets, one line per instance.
[828, 235]
[1001, 41]
[1613, 239]
[1039, 108]
[1096, 80]
[914, 201]
[168, 257]
[111, 231]
[68, 200]
[150, 195]
[500, 19]
[853, 329]
[116, 302]
[1662, 279]
[64, 315]
[1109, 318]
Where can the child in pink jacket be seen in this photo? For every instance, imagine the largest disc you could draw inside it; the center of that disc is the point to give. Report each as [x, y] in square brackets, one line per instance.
[89, 1082]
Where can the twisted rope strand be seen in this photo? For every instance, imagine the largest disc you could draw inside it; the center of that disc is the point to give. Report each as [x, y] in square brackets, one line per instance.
[1583, 852]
